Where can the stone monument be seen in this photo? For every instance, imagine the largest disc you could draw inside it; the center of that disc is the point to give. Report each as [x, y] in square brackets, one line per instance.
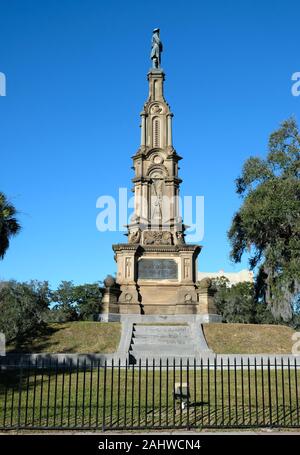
[156, 268]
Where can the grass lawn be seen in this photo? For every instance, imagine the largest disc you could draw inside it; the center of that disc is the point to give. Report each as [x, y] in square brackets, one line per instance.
[94, 397]
[249, 338]
[81, 337]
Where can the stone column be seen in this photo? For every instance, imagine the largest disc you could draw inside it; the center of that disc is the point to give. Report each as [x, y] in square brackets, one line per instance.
[143, 129]
[169, 128]
[206, 297]
[156, 78]
[109, 304]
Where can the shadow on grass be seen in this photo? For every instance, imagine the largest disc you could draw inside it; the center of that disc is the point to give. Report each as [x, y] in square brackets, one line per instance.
[36, 342]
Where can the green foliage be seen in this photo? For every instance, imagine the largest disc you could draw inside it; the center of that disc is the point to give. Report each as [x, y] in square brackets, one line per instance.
[238, 303]
[268, 222]
[9, 225]
[88, 300]
[64, 310]
[75, 302]
[23, 307]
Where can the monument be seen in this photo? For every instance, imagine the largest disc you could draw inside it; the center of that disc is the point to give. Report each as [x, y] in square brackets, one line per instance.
[156, 268]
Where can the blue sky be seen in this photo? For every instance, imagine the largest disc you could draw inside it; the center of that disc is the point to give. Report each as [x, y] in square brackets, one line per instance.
[76, 83]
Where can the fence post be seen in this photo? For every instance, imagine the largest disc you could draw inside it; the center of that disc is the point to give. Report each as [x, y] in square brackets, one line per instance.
[83, 394]
[76, 392]
[242, 384]
[62, 391]
[140, 389]
[167, 393]
[222, 391]
[228, 391]
[97, 394]
[70, 389]
[270, 392]
[119, 392]
[256, 391]
[290, 392]
[263, 389]
[195, 393]
[91, 391]
[249, 393]
[104, 396]
[160, 387]
[20, 396]
[296, 389]
[153, 392]
[27, 391]
[41, 394]
[125, 397]
[132, 394]
[146, 394]
[188, 393]
[111, 392]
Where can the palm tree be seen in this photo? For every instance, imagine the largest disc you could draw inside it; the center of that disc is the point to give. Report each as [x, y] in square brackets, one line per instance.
[9, 225]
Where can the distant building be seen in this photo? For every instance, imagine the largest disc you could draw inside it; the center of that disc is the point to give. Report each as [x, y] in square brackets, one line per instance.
[243, 276]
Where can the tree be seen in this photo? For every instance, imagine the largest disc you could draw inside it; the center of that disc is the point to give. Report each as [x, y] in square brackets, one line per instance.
[64, 297]
[9, 225]
[76, 302]
[237, 303]
[22, 308]
[268, 222]
[88, 300]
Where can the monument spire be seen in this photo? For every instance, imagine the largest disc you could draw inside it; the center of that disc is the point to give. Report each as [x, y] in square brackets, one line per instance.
[156, 183]
[157, 270]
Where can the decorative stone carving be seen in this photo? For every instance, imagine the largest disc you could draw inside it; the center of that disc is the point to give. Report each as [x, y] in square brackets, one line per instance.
[187, 298]
[186, 268]
[134, 237]
[157, 159]
[156, 109]
[128, 297]
[127, 267]
[109, 281]
[157, 238]
[180, 238]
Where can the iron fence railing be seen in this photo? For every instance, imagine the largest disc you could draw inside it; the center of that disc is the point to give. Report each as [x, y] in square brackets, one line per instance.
[150, 395]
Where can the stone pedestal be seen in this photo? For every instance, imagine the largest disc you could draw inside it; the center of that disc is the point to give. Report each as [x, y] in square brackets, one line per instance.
[158, 279]
[206, 297]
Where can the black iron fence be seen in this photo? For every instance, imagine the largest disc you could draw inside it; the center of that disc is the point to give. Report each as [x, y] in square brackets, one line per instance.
[150, 395]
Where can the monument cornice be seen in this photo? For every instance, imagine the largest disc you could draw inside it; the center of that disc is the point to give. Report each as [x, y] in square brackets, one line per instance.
[157, 248]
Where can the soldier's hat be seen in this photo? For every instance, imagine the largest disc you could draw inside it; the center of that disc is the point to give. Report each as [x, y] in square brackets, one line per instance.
[156, 30]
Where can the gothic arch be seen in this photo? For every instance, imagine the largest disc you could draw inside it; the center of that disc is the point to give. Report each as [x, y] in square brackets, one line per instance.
[158, 168]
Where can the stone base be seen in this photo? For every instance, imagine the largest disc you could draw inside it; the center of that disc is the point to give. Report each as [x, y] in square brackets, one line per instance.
[161, 318]
[129, 308]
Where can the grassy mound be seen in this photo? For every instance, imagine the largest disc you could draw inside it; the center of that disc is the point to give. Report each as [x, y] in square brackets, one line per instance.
[81, 337]
[249, 338]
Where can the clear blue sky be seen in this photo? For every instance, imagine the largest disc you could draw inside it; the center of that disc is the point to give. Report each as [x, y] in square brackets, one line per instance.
[76, 83]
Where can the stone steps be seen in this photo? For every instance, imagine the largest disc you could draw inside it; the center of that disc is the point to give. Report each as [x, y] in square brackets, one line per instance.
[163, 342]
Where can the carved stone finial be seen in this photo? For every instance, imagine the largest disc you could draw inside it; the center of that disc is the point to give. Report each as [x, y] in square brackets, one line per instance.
[205, 283]
[134, 237]
[109, 281]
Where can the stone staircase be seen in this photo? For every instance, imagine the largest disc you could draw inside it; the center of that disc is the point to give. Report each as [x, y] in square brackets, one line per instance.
[155, 342]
